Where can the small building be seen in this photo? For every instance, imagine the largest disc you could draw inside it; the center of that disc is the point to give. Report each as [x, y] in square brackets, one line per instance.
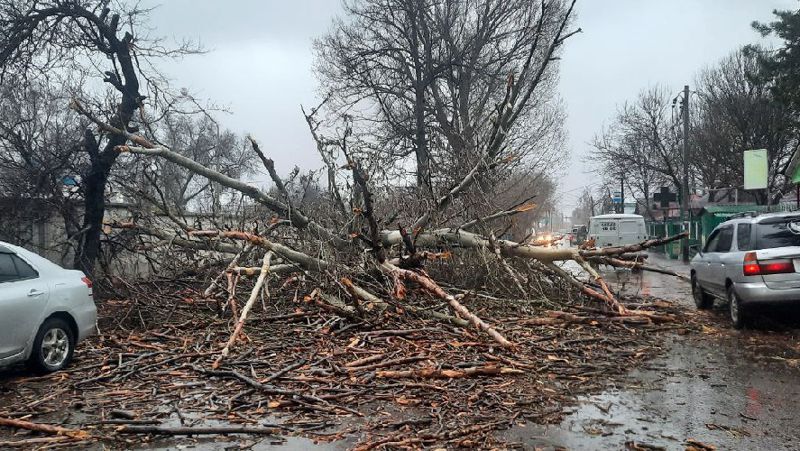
[711, 216]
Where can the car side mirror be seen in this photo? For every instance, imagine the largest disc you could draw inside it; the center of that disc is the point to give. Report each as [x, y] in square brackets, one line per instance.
[696, 248]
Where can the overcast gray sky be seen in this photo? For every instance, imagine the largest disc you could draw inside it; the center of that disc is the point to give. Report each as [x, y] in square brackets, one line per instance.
[259, 62]
[627, 45]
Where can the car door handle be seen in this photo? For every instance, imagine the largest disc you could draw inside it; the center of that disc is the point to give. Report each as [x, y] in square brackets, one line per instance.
[35, 293]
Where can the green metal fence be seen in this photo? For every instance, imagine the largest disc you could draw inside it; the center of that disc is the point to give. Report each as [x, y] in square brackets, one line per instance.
[663, 229]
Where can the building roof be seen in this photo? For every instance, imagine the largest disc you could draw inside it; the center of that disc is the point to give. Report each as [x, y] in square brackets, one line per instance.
[617, 216]
[714, 209]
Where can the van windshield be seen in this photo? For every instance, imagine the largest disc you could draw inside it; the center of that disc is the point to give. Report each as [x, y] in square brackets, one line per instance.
[778, 234]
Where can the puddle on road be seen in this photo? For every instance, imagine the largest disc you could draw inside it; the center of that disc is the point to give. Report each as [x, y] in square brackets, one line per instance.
[242, 442]
[702, 391]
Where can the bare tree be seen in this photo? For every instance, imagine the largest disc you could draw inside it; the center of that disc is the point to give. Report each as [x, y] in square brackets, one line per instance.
[736, 112]
[39, 159]
[642, 145]
[57, 39]
[585, 208]
[454, 83]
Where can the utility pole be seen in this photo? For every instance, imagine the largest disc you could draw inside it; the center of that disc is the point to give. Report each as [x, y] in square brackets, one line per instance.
[685, 185]
[622, 192]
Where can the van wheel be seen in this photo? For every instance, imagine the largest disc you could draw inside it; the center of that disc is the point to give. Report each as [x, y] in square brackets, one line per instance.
[53, 346]
[739, 315]
[702, 300]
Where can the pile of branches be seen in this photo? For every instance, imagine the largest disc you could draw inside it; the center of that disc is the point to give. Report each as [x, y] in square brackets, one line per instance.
[403, 382]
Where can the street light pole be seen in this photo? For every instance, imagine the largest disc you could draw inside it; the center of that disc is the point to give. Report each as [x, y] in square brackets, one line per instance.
[685, 185]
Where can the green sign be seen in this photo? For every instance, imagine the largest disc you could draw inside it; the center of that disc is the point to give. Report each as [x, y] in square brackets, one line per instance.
[755, 169]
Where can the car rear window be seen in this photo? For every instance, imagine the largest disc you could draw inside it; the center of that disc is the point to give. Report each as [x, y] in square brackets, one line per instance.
[778, 234]
[12, 268]
[743, 237]
[24, 270]
[8, 271]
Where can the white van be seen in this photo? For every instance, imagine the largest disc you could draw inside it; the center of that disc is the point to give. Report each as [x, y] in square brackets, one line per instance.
[617, 230]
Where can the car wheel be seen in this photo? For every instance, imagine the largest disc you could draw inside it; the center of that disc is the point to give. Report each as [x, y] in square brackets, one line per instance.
[702, 300]
[53, 346]
[737, 311]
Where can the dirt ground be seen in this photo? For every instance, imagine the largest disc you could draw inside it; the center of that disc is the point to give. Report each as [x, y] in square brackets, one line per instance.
[725, 388]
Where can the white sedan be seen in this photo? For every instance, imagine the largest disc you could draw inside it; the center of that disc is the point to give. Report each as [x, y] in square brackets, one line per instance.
[45, 310]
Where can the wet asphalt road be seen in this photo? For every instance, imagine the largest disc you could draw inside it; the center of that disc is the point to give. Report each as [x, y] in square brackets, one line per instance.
[722, 387]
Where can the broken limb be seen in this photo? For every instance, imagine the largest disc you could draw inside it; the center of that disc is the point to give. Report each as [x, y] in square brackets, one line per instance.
[214, 285]
[297, 218]
[175, 239]
[270, 167]
[521, 208]
[611, 299]
[580, 286]
[609, 251]
[436, 373]
[428, 284]
[197, 430]
[46, 428]
[304, 260]
[636, 265]
[256, 270]
[509, 270]
[365, 295]
[250, 301]
[233, 281]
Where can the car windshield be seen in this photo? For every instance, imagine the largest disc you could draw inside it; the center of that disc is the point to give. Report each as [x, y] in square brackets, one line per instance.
[778, 234]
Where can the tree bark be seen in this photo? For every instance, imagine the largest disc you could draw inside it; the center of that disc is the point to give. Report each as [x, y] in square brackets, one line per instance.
[94, 204]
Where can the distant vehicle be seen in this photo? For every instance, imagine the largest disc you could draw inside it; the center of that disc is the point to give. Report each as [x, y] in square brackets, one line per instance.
[617, 230]
[45, 310]
[749, 261]
[578, 234]
[545, 239]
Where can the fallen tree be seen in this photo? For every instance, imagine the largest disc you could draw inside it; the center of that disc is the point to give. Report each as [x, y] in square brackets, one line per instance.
[347, 251]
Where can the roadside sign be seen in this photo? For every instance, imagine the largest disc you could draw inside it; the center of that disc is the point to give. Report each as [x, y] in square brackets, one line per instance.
[755, 169]
[664, 197]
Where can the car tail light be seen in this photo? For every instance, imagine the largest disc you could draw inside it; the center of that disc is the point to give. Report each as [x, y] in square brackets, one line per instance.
[752, 267]
[87, 281]
[777, 267]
